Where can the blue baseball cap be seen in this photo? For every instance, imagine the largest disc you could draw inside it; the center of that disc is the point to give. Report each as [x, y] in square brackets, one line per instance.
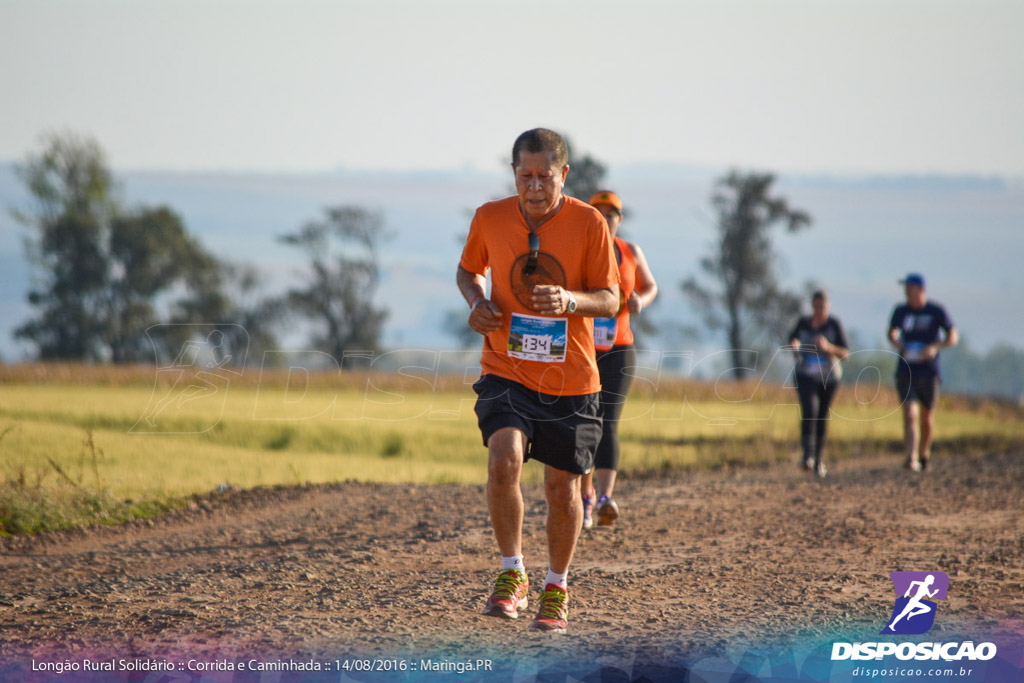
[913, 279]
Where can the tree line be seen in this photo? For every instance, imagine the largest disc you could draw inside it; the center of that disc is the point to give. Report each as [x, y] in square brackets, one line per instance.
[130, 284]
[121, 284]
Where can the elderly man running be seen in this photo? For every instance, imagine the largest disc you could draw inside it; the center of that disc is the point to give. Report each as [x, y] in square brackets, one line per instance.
[552, 270]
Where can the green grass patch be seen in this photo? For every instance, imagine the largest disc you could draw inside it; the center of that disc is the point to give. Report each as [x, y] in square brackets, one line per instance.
[29, 510]
[88, 448]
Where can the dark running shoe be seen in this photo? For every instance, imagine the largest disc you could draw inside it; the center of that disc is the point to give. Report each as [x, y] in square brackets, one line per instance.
[913, 464]
[607, 511]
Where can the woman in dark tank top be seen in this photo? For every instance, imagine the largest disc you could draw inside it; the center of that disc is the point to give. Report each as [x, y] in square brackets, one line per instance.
[819, 342]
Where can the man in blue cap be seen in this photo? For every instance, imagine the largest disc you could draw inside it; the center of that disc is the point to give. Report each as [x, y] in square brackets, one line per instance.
[919, 329]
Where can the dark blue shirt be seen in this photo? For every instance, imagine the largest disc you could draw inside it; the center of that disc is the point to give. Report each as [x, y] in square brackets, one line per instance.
[918, 329]
[816, 365]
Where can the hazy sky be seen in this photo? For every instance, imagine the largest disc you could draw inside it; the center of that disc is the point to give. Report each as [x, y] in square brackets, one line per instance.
[891, 86]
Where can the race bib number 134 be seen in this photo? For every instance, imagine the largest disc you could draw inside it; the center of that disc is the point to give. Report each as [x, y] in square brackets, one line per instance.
[533, 337]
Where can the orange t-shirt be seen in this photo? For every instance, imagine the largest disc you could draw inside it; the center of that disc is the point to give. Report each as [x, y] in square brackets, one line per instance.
[616, 331]
[553, 354]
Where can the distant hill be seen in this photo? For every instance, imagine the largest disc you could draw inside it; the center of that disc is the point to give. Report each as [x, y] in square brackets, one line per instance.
[963, 233]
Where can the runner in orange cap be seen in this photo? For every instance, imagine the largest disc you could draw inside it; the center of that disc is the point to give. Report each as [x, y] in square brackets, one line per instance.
[613, 339]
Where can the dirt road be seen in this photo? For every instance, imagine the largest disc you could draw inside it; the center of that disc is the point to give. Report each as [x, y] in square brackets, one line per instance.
[701, 566]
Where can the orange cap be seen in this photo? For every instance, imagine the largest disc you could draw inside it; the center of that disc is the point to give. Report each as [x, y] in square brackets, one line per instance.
[605, 197]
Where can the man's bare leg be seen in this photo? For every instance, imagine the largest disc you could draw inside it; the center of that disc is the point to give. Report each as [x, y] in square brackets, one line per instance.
[605, 479]
[927, 424]
[565, 516]
[911, 433]
[505, 450]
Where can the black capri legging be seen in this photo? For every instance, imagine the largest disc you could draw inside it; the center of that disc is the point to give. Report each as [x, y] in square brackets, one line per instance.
[615, 383]
[815, 400]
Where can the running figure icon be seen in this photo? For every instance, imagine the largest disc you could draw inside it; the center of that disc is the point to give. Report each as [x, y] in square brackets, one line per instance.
[916, 606]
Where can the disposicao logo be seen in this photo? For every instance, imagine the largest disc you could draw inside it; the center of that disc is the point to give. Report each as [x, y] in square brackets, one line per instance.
[913, 614]
[916, 593]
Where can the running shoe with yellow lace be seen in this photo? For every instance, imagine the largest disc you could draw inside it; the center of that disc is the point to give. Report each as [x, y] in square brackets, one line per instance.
[509, 595]
[554, 610]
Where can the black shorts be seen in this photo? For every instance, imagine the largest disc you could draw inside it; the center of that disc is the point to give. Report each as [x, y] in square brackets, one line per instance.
[562, 431]
[924, 390]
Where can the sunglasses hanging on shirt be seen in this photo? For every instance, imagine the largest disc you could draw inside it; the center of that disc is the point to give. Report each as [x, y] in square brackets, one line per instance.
[531, 261]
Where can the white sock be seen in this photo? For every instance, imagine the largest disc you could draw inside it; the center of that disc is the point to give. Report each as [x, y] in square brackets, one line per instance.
[557, 579]
[514, 562]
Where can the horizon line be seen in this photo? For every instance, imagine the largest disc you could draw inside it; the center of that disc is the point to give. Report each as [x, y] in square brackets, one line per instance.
[859, 176]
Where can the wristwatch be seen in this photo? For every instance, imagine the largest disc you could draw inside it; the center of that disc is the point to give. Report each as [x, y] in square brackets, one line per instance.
[571, 306]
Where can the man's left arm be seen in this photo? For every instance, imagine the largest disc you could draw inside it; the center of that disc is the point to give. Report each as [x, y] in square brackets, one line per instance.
[596, 303]
[599, 296]
[950, 339]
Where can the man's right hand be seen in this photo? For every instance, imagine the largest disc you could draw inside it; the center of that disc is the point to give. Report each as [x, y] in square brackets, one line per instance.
[485, 317]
